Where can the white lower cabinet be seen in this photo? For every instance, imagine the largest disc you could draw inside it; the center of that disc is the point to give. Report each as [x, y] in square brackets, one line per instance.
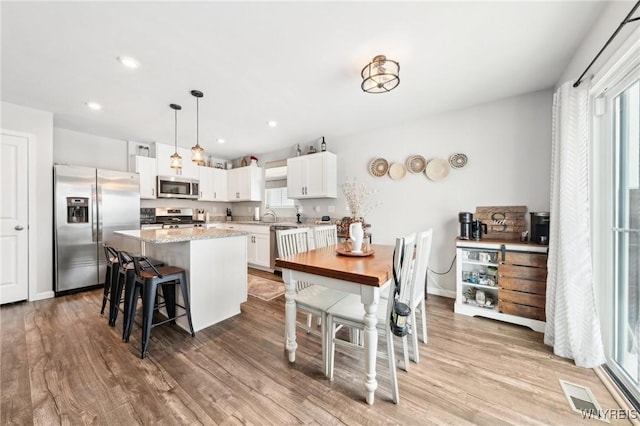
[258, 245]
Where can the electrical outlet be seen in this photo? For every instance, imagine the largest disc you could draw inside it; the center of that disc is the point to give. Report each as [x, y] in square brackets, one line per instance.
[214, 210]
[316, 209]
[331, 209]
[248, 209]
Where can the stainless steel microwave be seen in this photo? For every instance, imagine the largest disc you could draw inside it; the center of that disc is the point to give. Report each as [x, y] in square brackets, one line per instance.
[177, 187]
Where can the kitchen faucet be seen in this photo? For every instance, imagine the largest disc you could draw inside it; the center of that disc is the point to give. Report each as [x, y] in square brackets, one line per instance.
[270, 213]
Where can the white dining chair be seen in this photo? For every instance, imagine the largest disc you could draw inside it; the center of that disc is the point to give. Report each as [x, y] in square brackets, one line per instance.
[325, 235]
[416, 289]
[350, 312]
[310, 299]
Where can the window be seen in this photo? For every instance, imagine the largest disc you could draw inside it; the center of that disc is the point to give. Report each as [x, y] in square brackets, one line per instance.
[616, 214]
[275, 176]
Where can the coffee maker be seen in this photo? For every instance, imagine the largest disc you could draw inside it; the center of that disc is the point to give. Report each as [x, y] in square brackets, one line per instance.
[465, 219]
[540, 227]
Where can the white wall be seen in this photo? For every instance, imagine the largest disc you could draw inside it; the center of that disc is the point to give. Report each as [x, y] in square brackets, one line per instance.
[40, 124]
[508, 144]
[83, 149]
[609, 20]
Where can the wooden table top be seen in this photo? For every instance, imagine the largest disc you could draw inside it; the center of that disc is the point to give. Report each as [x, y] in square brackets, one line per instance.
[374, 270]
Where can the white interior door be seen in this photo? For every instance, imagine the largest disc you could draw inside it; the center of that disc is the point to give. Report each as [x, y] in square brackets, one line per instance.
[14, 226]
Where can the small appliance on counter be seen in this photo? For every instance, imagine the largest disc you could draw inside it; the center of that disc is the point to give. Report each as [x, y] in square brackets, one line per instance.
[229, 216]
[465, 219]
[477, 228]
[540, 227]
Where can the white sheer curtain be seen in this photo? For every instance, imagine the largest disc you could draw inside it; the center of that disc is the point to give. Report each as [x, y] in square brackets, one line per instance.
[572, 326]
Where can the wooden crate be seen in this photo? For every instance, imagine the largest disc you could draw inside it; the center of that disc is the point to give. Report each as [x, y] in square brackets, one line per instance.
[521, 310]
[503, 222]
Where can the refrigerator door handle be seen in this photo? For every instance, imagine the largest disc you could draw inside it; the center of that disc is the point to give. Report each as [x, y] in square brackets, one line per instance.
[93, 214]
[99, 213]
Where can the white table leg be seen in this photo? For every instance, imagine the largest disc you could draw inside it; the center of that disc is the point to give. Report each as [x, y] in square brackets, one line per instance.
[370, 297]
[290, 313]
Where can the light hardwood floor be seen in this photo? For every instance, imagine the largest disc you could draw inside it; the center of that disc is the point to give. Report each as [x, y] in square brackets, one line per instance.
[62, 364]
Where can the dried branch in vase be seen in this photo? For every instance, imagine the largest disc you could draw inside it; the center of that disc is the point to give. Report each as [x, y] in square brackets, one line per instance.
[360, 200]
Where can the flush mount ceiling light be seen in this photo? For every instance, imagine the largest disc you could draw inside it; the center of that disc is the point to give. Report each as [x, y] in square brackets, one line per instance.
[381, 75]
[220, 141]
[272, 123]
[129, 62]
[197, 152]
[176, 160]
[94, 106]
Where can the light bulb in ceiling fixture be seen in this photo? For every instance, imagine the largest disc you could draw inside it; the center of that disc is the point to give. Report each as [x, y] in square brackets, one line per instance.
[220, 140]
[272, 123]
[94, 106]
[129, 62]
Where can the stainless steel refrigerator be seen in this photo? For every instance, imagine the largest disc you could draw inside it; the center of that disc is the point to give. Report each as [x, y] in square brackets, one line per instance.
[89, 204]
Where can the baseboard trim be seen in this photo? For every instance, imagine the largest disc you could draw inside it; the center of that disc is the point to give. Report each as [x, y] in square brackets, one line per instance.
[42, 296]
[441, 292]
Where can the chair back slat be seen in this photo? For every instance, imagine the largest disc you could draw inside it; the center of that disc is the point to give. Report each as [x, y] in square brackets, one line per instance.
[420, 265]
[402, 260]
[292, 241]
[325, 235]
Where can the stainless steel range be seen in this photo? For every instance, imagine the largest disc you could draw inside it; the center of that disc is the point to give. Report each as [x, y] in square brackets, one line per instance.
[171, 218]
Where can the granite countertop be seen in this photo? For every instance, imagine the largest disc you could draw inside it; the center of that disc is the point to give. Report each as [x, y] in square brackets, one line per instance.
[162, 236]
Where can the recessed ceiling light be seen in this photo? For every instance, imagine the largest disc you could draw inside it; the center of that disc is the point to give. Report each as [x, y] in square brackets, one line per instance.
[94, 106]
[272, 123]
[129, 62]
[220, 141]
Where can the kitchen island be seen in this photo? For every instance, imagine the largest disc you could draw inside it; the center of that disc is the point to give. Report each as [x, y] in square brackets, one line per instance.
[215, 261]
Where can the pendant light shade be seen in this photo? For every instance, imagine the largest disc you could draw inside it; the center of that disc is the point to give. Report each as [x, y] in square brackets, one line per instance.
[176, 160]
[380, 75]
[197, 152]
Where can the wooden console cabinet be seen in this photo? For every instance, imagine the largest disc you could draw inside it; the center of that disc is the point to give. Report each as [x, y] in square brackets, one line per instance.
[503, 280]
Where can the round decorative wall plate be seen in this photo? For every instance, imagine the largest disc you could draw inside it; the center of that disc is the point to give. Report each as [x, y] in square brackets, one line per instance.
[416, 164]
[437, 169]
[397, 171]
[458, 161]
[379, 167]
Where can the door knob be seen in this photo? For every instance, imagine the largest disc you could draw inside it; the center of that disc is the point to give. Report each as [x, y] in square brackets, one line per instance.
[18, 228]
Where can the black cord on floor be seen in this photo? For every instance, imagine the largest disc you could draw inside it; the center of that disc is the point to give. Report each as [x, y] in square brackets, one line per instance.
[448, 270]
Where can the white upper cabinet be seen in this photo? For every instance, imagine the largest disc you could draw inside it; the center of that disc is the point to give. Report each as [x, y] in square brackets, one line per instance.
[245, 184]
[146, 168]
[312, 176]
[213, 184]
[163, 157]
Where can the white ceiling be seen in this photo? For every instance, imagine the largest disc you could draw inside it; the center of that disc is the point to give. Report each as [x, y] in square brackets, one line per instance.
[295, 62]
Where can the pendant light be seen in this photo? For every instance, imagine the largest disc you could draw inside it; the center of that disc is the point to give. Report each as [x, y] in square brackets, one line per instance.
[197, 152]
[176, 160]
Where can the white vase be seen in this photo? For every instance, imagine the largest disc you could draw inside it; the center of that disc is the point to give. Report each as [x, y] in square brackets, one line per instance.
[356, 235]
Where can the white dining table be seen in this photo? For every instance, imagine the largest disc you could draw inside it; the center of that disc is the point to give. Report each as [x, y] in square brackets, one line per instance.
[364, 276]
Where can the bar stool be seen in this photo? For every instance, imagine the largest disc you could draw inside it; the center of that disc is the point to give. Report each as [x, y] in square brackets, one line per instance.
[148, 279]
[110, 276]
[124, 280]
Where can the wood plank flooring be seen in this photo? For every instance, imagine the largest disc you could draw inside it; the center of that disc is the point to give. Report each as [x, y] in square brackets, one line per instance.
[60, 363]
